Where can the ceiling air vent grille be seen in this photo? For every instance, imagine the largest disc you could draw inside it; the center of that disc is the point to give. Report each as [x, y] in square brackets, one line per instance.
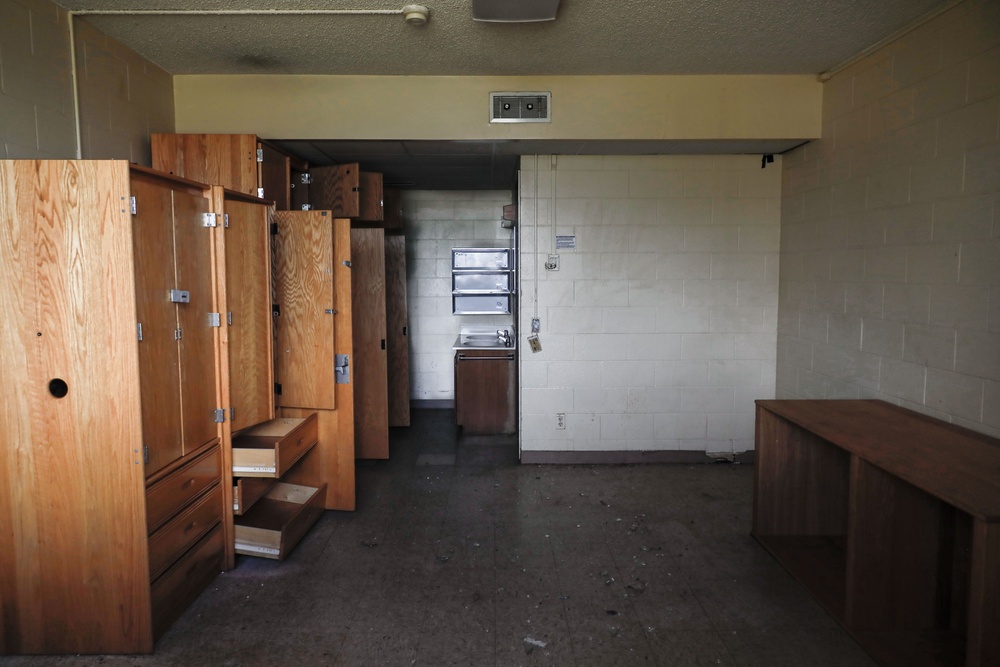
[520, 107]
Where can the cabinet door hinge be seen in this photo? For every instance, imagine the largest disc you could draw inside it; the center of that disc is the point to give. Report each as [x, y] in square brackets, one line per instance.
[232, 414]
[180, 296]
[260, 155]
[214, 320]
[342, 368]
[277, 388]
[145, 454]
[307, 178]
[138, 326]
[307, 207]
[209, 220]
[132, 206]
[220, 415]
[225, 220]
[260, 193]
[178, 334]
[229, 318]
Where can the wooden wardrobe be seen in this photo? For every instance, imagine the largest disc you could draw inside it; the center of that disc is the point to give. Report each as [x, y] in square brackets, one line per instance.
[111, 474]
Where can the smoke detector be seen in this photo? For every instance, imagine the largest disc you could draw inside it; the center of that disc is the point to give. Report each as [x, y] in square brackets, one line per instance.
[514, 11]
[520, 107]
[415, 14]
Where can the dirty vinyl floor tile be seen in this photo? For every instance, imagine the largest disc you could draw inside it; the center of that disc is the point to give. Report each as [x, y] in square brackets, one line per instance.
[459, 555]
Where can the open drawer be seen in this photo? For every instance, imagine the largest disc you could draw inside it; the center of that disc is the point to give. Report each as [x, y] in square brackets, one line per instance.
[271, 448]
[276, 523]
[248, 490]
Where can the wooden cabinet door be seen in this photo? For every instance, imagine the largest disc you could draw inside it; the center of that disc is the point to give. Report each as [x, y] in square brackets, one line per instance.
[397, 341]
[304, 294]
[392, 209]
[371, 414]
[336, 189]
[487, 382]
[370, 203]
[274, 176]
[198, 363]
[229, 160]
[248, 305]
[159, 375]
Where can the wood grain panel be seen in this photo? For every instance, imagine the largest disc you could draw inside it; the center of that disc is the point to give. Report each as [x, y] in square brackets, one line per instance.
[274, 177]
[195, 273]
[248, 295]
[370, 205]
[303, 272]
[396, 325]
[371, 400]
[335, 189]
[159, 372]
[392, 209]
[984, 599]
[229, 160]
[486, 381]
[71, 481]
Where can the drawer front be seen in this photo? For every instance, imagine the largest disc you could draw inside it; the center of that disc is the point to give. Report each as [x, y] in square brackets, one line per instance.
[178, 587]
[167, 496]
[174, 538]
[297, 443]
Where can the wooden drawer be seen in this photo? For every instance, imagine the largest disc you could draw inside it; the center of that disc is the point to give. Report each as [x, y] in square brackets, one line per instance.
[279, 520]
[186, 528]
[270, 449]
[169, 495]
[247, 491]
[178, 587]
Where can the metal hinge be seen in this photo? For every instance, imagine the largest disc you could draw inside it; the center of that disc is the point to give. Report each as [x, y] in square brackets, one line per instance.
[180, 296]
[346, 263]
[145, 454]
[342, 368]
[178, 334]
[229, 318]
[138, 326]
[260, 155]
[225, 219]
[260, 193]
[132, 206]
[307, 178]
[307, 207]
[220, 415]
[209, 220]
[232, 414]
[277, 388]
[214, 320]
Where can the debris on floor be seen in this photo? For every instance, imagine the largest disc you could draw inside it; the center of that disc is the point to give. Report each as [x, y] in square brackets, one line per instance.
[530, 644]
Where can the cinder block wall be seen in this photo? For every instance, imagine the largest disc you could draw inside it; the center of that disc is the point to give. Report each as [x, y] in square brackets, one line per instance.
[890, 239]
[658, 329]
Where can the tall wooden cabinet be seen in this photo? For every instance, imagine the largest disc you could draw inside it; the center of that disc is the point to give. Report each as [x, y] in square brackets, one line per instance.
[315, 362]
[111, 357]
[397, 330]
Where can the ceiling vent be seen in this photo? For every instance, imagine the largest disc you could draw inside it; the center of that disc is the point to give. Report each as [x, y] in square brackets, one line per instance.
[514, 11]
[520, 107]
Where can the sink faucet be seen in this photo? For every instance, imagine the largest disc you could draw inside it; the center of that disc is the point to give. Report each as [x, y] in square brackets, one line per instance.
[503, 336]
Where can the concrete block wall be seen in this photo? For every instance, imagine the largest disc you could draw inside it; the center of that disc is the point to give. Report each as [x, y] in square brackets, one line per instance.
[37, 114]
[658, 330]
[436, 222]
[890, 240]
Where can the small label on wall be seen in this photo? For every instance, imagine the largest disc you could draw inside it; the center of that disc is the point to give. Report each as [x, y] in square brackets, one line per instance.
[565, 242]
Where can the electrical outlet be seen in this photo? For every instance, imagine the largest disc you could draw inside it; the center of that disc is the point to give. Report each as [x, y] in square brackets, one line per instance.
[553, 263]
[561, 421]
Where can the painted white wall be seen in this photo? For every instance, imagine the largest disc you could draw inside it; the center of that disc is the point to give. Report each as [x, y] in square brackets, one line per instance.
[436, 222]
[658, 330]
[890, 242]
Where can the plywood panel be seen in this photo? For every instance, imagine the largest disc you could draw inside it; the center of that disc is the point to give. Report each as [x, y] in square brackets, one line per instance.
[371, 401]
[331, 461]
[370, 197]
[335, 189]
[248, 298]
[71, 480]
[195, 274]
[158, 360]
[274, 177]
[397, 341]
[303, 278]
[229, 160]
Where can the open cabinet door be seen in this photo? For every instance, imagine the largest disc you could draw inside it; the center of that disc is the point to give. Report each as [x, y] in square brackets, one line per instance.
[371, 421]
[314, 358]
[336, 189]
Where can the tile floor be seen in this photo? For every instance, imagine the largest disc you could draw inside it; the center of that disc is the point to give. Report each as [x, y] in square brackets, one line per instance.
[458, 555]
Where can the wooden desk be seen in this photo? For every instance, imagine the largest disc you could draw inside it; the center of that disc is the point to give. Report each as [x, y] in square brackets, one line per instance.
[891, 519]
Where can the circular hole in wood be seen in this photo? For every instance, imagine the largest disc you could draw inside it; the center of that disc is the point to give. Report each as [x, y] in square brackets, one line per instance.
[58, 388]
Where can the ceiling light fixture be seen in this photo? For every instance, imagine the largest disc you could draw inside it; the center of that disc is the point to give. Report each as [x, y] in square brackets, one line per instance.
[415, 14]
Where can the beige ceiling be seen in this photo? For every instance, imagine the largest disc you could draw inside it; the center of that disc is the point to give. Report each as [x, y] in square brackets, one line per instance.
[614, 37]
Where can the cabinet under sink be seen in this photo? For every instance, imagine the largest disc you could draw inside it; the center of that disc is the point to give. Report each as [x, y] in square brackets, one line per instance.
[486, 390]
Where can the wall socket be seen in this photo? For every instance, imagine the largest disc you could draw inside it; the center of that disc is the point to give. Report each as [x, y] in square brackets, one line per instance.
[561, 421]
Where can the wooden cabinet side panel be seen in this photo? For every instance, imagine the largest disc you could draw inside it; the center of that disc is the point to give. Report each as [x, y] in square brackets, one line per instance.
[984, 596]
[275, 177]
[303, 279]
[397, 340]
[370, 203]
[248, 297]
[229, 160]
[159, 372]
[369, 372]
[196, 274]
[336, 189]
[71, 482]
